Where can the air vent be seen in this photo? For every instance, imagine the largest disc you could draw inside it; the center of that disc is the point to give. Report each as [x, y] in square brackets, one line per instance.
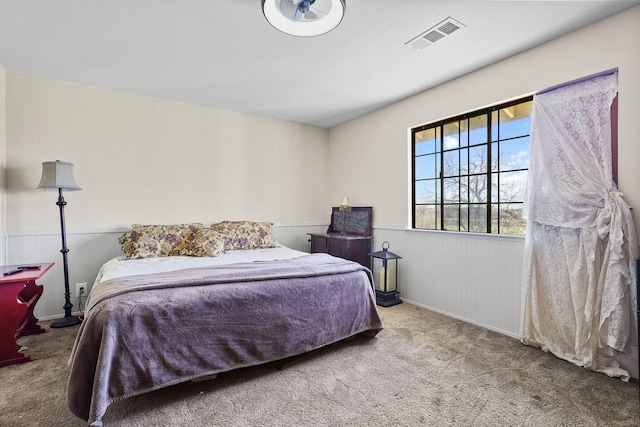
[449, 27]
[437, 32]
[433, 36]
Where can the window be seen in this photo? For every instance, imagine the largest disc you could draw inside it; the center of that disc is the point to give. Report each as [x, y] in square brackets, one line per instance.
[470, 171]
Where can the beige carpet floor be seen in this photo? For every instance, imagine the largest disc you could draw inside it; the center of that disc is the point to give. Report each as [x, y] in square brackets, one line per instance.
[422, 369]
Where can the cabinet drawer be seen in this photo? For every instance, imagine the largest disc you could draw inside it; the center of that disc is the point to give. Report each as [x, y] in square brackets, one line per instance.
[339, 248]
[319, 244]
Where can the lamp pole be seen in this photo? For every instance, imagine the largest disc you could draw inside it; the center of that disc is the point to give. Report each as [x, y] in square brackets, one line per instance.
[68, 319]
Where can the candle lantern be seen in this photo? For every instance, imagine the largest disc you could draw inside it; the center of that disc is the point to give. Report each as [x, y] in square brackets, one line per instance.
[384, 265]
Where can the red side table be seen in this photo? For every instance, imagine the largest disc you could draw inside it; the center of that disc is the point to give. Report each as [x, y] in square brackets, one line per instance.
[19, 294]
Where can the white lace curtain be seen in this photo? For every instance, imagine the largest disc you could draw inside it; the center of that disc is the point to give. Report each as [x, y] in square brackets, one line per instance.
[579, 297]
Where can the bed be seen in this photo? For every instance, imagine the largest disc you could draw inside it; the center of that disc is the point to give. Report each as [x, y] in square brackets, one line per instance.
[152, 322]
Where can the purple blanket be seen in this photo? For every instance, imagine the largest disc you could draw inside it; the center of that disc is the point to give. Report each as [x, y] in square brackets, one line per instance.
[142, 333]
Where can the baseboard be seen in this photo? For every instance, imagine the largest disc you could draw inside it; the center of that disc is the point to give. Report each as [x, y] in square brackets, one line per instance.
[464, 319]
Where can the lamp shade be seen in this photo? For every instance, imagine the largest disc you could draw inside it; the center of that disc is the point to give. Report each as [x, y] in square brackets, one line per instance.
[304, 18]
[57, 175]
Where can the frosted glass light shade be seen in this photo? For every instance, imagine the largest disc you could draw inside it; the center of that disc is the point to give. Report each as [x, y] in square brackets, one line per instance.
[56, 175]
[323, 16]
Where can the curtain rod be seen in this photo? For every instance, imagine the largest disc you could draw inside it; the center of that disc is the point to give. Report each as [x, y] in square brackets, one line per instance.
[578, 80]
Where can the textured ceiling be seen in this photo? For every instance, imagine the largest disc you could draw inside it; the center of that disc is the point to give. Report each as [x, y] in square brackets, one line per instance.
[224, 54]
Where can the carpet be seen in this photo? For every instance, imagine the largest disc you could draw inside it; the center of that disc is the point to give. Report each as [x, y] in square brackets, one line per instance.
[424, 368]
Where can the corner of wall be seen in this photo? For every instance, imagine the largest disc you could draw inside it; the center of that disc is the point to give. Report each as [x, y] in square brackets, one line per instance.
[3, 163]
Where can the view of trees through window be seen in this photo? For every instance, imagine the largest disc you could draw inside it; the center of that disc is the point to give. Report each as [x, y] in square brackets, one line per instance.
[470, 171]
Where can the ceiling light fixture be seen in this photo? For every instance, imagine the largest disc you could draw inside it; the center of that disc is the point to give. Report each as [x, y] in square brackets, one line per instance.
[304, 18]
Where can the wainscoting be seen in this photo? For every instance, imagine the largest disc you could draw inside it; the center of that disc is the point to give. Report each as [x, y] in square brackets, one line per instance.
[88, 250]
[476, 278]
[473, 277]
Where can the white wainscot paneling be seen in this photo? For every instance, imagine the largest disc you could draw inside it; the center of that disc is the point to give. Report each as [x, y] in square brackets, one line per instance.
[88, 250]
[295, 236]
[3, 247]
[473, 277]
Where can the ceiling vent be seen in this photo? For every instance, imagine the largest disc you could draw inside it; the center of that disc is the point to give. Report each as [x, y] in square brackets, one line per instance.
[432, 35]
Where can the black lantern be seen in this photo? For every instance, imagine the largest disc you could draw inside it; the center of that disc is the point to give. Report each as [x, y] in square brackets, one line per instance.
[384, 265]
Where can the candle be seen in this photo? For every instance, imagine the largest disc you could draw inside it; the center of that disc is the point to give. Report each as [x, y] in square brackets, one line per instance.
[390, 283]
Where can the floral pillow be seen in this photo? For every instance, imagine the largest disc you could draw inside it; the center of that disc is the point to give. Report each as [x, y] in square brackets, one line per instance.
[149, 241]
[203, 242]
[246, 234]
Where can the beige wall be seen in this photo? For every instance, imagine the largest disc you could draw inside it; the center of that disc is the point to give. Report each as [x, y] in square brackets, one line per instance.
[142, 159]
[145, 159]
[379, 141]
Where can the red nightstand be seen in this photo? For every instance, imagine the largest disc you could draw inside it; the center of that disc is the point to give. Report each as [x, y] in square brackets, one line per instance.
[18, 296]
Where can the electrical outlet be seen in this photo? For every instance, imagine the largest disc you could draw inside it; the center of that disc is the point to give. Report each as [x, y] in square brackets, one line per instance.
[81, 289]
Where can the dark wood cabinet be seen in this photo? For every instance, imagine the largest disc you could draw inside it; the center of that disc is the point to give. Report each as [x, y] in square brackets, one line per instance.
[319, 243]
[348, 236]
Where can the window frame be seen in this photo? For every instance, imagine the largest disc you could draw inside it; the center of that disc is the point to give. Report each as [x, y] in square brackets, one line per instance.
[440, 203]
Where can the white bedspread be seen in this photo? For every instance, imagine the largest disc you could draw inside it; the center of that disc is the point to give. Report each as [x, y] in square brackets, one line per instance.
[121, 267]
